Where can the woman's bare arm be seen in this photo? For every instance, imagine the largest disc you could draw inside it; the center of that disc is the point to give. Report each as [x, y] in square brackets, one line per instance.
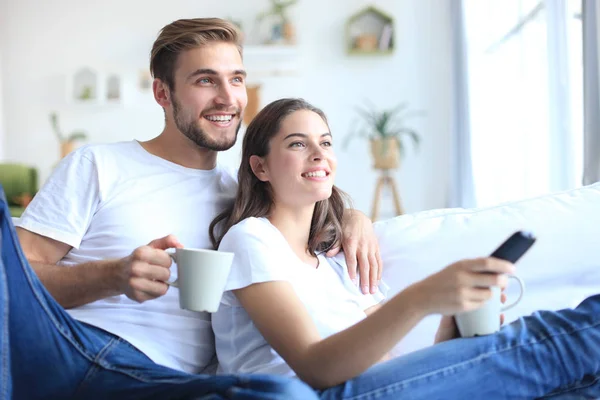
[285, 323]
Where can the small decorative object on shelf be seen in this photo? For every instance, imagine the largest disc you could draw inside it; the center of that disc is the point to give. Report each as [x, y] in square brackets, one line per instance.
[281, 29]
[67, 142]
[370, 31]
[144, 80]
[88, 86]
[113, 88]
[85, 85]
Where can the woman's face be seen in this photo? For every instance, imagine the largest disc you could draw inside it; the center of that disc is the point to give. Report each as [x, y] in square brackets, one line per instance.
[301, 163]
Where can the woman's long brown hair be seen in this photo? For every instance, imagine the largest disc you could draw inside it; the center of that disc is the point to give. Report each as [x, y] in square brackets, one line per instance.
[254, 198]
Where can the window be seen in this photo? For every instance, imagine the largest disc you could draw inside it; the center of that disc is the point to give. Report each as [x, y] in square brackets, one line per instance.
[525, 98]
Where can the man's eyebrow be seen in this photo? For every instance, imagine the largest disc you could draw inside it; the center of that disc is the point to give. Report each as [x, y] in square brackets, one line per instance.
[303, 135]
[212, 72]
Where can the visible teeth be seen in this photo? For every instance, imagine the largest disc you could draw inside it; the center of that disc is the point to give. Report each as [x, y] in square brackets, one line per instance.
[219, 118]
[315, 174]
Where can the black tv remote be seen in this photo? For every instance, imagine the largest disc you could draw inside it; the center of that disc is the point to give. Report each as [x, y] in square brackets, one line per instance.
[515, 246]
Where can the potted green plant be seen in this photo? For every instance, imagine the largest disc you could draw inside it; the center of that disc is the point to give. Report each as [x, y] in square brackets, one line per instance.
[67, 141]
[387, 133]
[283, 28]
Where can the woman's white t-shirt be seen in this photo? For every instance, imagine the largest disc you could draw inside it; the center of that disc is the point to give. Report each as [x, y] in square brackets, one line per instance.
[261, 255]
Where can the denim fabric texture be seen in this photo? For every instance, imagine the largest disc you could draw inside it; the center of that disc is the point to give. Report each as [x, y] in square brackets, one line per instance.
[554, 355]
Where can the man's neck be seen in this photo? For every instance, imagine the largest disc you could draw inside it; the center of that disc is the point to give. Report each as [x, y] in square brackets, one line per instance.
[175, 147]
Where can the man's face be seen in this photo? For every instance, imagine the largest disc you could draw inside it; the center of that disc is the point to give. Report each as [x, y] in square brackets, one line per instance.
[210, 95]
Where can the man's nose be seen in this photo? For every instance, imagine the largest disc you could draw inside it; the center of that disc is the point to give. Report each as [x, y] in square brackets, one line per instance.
[225, 96]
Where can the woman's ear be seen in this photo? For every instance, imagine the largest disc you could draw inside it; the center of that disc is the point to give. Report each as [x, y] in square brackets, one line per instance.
[257, 164]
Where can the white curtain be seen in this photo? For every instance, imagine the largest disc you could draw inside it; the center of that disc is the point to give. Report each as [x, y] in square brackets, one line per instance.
[461, 180]
[591, 79]
[561, 141]
[525, 133]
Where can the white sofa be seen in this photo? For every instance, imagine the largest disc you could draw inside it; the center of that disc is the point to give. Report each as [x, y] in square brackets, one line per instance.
[560, 270]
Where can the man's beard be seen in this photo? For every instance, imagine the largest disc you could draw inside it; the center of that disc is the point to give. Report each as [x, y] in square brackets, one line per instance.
[192, 131]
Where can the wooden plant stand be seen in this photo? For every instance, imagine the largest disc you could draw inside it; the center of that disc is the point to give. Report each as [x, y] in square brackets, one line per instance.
[385, 179]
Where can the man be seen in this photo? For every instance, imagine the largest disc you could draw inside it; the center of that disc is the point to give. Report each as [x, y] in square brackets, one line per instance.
[97, 232]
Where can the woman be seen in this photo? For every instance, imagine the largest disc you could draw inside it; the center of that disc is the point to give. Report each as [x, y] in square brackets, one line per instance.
[289, 310]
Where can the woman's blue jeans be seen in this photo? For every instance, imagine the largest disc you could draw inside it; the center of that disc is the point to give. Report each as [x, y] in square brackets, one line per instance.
[554, 355]
[45, 354]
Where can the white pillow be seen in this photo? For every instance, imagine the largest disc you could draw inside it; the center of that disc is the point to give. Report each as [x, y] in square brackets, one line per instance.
[560, 270]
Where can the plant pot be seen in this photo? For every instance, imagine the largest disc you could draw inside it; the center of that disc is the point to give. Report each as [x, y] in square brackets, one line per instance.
[66, 148]
[385, 153]
[289, 33]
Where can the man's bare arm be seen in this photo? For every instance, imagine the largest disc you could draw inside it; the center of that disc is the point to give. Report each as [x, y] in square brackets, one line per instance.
[70, 286]
[361, 250]
[141, 276]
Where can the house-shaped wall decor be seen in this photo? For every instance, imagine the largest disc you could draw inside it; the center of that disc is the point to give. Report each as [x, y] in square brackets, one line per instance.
[370, 31]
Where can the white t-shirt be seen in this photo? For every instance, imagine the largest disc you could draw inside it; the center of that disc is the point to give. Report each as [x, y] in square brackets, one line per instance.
[261, 255]
[107, 200]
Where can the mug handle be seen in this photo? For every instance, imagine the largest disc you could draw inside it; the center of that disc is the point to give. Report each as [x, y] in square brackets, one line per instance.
[522, 291]
[173, 256]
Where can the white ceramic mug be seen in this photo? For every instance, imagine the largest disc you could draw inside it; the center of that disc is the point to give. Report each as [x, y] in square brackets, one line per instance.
[201, 277]
[486, 320]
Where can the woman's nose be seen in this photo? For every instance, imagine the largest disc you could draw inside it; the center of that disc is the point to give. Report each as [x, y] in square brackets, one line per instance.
[318, 154]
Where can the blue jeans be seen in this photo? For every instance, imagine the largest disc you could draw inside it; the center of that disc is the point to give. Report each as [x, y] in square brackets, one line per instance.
[46, 354]
[554, 355]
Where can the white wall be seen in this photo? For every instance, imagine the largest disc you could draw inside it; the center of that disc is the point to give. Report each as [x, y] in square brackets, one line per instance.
[44, 41]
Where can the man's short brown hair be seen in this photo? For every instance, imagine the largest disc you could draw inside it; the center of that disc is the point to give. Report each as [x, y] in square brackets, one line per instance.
[187, 34]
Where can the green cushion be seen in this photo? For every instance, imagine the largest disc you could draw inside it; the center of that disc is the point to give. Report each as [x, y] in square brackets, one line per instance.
[17, 179]
[16, 211]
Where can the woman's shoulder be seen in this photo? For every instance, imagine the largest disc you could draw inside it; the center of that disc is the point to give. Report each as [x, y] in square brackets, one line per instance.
[251, 230]
[251, 225]
[258, 253]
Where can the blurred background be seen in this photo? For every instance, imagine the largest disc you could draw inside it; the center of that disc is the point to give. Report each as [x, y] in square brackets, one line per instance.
[432, 103]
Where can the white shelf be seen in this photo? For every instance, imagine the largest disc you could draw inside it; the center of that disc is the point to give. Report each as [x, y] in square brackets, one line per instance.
[263, 61]
[270, 50]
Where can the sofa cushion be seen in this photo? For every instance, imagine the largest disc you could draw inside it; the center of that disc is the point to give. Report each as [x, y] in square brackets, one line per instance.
[560, 270]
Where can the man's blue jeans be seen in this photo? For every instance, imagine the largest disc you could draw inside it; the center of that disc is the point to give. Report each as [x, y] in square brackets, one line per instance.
[49, 355]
